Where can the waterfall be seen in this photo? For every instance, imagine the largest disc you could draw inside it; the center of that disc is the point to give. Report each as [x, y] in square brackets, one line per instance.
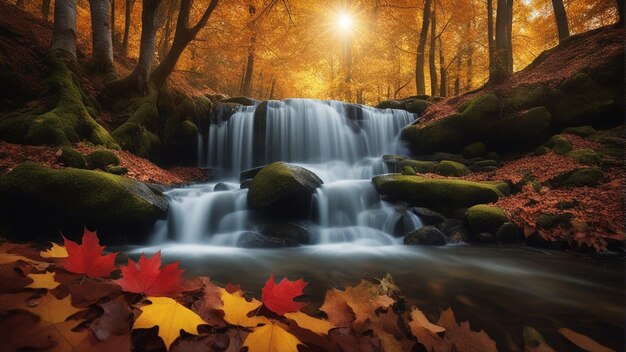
[342, 143]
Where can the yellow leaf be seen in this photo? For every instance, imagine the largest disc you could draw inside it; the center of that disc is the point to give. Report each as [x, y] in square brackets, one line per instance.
[53, 310]
[271, 338]
[304, 321]
[236, 309]
[56, 251]
[170, 317]
[45, 280]
[7, 258]
[584, 342]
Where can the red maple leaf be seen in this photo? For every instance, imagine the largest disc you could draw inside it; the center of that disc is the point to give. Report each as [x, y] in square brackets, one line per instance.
[279, 298]
[146, 277]
[87, 258]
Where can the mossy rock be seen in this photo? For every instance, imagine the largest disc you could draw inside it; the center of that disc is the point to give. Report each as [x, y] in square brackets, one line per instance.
[486, 163]
[549, 220]
[68, 199]
[522, 131]
[494, 156]
[70, 157]
[451, 168]
[525, 97]
[442, 135]
[585, 156]
[117, 170]
[425, 236]
[420, 167]
[475, 150]
[241, 101]
[559, 144]
[486, 218]
[504, 187]
[508, 233]
[582, 131]
[412, 105]
[283, 189]
[407, 170]
[480, 115]
[589, 177]
[101, 159]
[566, 204]
[442, 194]
[137, 139]
[540, 151]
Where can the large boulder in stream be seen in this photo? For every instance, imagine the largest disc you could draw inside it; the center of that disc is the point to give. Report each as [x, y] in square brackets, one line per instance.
[281, 190]
[37, 201]
[427, 235]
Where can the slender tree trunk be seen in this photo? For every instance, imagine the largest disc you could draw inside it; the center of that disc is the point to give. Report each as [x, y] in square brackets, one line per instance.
[420, 84]
[561, 19]
[490, 41]
[113, 22]
[509, 35]
[183, 36]
[272, 87]
[64, 32]
[261, 81]
[443, 90]
[499, 69]
[102, 51]
[128, 13]
[457, 79]
[247, 78]
[470, 67]
[137, 81]
[431, 54]
[45, 9]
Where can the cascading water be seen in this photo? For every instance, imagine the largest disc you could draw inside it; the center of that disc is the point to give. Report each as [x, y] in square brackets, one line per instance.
[341, 143]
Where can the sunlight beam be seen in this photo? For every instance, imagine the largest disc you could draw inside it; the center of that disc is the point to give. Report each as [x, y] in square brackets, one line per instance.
[345, 22]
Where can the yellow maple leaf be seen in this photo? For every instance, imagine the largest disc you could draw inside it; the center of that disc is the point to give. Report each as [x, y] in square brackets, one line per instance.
[318, 326]
[170, 317]
[45, 280]
[56, 251]
[7, 258]
[271, 338]
[236, 309]
[53, 310]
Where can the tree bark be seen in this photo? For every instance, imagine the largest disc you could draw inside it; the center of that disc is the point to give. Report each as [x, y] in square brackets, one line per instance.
[420, 84]
[499, 69]
[457, 79]
[183, 36]
[443, 90]
[64, 32]
[45, 9]
[431, 54]
[113, 22]
[271, 95]
[509, 36]
[128, 13]
[247, 78]
[561, 19]
[137, 81]
[490, 41]
[102, 51]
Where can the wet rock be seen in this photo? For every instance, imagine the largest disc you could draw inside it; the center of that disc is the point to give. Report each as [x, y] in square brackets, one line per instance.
[486, 218]
[256, 240]
[484, 237]
[451, 168]
[250, 173]
[70, 157]
[286, 231]
[454, 230]
[222, 186]
[428, 216]
[508, 233]
[246, 183]
[427, 235]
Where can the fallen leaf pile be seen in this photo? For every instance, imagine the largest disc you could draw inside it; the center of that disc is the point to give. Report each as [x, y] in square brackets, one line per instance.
[64, 299]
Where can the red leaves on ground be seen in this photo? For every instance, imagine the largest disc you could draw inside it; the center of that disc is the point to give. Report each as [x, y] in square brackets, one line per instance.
[279, 298]
[87, 258]
[146, 277]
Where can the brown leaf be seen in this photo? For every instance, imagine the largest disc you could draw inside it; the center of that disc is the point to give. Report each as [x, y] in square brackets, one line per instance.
[116, 319]
[462, 337]
[337, 309]
[584, 342]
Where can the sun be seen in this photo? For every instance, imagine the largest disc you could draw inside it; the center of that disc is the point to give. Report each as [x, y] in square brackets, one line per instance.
[345, 21]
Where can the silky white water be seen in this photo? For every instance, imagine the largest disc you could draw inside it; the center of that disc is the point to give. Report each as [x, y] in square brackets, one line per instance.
[341, 143]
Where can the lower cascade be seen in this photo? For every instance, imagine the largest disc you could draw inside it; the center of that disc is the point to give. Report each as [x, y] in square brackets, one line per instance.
[341, 143]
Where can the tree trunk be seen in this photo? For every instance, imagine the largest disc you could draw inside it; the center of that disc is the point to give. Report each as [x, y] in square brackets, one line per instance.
[420, 85]
[102, 51]
[45, 9]
[64, 32]
[499, 69]
[431, 54]
[271, 95]
[443, 90]
[247, 78]
[128, 13]
[470, 67]
[183, 36]
[137, 81]
[561, 19]
[490, 41]
[509, 36]
[457, 79]
[113, 22]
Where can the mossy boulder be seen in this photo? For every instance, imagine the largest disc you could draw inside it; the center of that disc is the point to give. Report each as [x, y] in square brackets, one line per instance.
[412, 105]
[525, 97]
[407, 170]
[508, 233]
[589, 177]
[117, 170]
[101, 159]
[559, 144]
[445, 134]
[137, 139]
[427, 235]
[283, 190]
[494, 156]
[420, 167]
[550, 220]
[523, 130]
[241, 100]
[585, 156]
[486, 218]
[451, 168]
[40, 201]
[475, 150]
[582, 131]
[70, 157]
[441, 194]
[480, 115]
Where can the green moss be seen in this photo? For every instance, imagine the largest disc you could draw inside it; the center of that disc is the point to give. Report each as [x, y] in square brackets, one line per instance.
[444, 134]
[522, 131]
[117, 170]
[582, 131]
[70, 157]
[589, 177]
[486, 218]
[73, 198]
[135, 138]
[240, 100]
[585, 156]
[481, 114]
[549, 220]
[407, 170]
[504, 187]
[451, 168]
[444, 194]
[100, 159]
[475, 150]
[508, 233]
[280, 183]
[540, 151]
[494, 156]
[525, 97]
[566, 204]
[486, 163]
[421, 167]
[559, 144]
[416, 106]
